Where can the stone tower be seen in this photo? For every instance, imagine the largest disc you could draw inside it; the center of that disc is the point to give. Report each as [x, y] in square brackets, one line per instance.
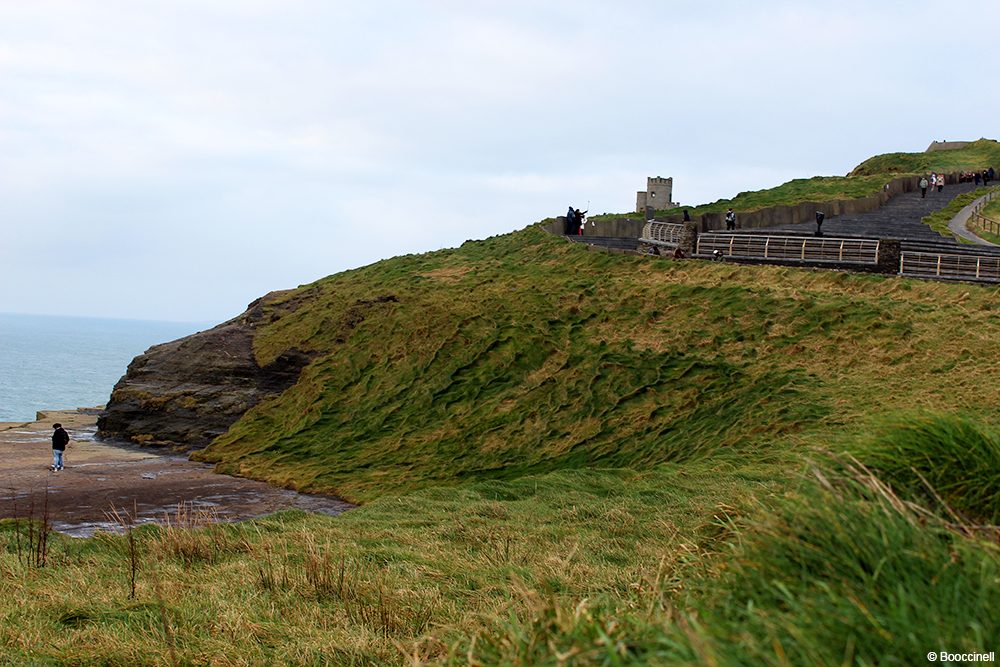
[657, 196]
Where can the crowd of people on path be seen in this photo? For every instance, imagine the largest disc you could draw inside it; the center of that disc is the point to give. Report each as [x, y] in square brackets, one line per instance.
[978, 177]
[937, 181]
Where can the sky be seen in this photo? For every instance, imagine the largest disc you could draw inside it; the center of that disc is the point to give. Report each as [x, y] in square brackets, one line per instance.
[174, 160]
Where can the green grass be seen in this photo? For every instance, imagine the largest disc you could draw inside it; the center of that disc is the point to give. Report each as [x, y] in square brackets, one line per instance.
[938, 221]
[975, 157]
[574, 458]
[524, 354]
[991, 211]
[415, 574]
[839, 571]
[940, 459]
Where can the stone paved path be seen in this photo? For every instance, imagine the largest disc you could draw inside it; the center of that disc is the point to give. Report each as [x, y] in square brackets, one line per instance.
[900, 218]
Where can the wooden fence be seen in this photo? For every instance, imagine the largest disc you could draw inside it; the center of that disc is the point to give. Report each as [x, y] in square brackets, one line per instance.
[795, 248]
[980, 221]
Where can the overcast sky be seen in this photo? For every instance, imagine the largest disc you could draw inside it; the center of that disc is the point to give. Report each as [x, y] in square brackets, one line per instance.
[176, 159]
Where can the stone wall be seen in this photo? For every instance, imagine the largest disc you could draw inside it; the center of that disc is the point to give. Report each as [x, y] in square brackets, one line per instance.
[623, 227]
[806, 211]
[947, 145]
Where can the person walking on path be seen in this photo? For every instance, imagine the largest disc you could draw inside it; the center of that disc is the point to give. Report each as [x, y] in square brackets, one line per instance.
[992, 174]
[923, 187]
[940, 182]
[977, 178]
[60, 438]
[730, 220]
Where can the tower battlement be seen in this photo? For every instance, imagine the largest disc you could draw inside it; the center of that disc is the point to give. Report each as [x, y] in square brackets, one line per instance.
[657, 196]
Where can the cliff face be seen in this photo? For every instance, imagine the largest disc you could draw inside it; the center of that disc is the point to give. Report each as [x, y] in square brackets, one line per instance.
[187, 392]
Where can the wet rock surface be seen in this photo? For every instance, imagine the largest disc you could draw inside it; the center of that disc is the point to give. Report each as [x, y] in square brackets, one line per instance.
[187, 392]
[100, 476]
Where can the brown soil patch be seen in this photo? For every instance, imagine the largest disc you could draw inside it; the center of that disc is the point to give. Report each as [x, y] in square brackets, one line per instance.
[101, 475]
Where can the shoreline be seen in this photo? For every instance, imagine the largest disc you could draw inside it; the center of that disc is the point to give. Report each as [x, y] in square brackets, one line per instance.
[99, 477]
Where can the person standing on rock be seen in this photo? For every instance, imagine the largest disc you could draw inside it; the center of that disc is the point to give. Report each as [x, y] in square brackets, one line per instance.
[730, 220]
[60, 438]
[923, 187]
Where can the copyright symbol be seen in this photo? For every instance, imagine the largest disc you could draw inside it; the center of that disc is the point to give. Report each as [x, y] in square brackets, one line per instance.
[932, 656]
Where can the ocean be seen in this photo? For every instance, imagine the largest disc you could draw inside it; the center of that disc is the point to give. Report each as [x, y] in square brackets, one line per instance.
[55, 363]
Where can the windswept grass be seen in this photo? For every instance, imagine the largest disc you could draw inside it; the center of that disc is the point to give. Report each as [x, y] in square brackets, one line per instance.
[841, 571]
[941, 459]
[570, 457]
[524, 354]
[407, 576]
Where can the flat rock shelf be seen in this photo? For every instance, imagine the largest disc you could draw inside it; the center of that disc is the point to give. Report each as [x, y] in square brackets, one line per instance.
[156, 485]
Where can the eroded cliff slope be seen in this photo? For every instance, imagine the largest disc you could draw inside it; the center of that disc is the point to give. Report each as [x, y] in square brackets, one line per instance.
[187, 392]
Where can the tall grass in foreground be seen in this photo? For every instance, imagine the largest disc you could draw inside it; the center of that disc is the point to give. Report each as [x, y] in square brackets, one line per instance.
[851, 574]
[844, 571]
[945, 460]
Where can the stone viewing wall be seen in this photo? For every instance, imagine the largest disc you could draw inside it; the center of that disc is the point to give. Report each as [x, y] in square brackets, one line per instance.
[622, 227]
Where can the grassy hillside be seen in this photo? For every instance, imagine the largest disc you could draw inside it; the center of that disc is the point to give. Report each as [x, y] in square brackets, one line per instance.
[568, 457]
[977, 156]
[524, 354]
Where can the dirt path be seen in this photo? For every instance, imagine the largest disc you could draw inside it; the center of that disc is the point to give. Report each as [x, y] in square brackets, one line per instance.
[99, 476]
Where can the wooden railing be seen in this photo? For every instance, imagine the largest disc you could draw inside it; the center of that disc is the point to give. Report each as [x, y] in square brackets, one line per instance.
[955, 267]
[980, 221]
[794, 248]
[662, 233]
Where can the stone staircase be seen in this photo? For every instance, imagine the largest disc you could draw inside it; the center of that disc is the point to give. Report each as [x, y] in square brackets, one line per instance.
[900, 218]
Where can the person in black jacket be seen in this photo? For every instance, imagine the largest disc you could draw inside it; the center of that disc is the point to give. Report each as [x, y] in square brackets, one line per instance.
[60, 438]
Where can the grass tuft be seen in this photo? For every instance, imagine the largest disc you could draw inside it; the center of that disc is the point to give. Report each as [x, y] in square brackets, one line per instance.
[940, 458]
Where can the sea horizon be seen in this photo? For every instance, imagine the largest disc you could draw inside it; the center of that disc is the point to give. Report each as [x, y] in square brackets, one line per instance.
[64, 362]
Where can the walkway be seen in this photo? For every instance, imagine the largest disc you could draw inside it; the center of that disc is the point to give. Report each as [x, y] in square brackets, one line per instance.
[959, 224]
[900, 218]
